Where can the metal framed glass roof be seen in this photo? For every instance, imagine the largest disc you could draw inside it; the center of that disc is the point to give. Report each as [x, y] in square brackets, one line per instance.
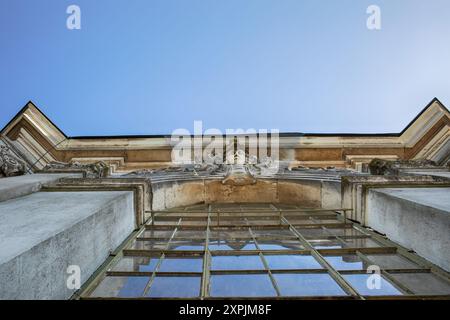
[262, 251]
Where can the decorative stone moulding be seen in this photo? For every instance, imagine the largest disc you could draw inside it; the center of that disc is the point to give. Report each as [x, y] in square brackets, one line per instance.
[387, 167]
[91, 170]
[41, 142]
[238, 175]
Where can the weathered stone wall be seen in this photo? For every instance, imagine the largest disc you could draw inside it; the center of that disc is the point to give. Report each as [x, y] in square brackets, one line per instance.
[305, 193]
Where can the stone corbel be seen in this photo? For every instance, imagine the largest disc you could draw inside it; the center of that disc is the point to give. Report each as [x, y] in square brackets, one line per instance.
[10, 164]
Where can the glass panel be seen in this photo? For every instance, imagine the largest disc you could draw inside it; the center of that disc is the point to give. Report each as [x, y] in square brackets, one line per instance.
[361, 243]
[280, 245]
[187, 245]
[121, 287]
[367, 287]
[423, 283]
[193, 223]
[242, 285]
[313, 233]
[139, 264]
[192, 234]
[344, 232]
[345, 243]
[277, 234]
[320, 233]
[292, 262]
[236, 221]
[263, 222]
[180, 287]
[230, 234]
[156, 234]
[326, 244]
[148, 245]
[236, 263]
[218, 245]
[384, 261]
[392, 261]
[298, 221]
[180, 264]
[297, 284]
[345, 262]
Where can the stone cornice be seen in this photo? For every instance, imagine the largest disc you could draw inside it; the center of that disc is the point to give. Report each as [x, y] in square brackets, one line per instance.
[425, 136]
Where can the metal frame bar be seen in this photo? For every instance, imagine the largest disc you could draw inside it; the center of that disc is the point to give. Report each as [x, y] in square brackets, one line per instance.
[204, 291]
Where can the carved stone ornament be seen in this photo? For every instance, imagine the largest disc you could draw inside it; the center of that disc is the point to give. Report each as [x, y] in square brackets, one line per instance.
[389, 167]
[91, 170]
[238, 175]
[239, 168]
[10, 165]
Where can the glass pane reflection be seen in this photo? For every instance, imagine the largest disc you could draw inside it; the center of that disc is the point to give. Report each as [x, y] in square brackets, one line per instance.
[292, 262]
[219, 245]
[242, 285]
[366, 287]
[181, 287]
[423, 283]
[121, 287]
[170, 264]
[345, 262]
[236, 263]
[308, 285]
[137, 264]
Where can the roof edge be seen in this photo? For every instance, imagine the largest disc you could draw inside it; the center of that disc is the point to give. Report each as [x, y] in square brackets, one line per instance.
[23, 110]
[281, 134]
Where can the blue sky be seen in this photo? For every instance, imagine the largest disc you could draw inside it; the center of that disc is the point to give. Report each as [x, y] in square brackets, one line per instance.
[151, 66]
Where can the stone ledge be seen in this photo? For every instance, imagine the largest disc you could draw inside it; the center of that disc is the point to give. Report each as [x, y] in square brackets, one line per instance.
[416, 218]
[354, 190]
[14, 187]
[141, 188]
[45, 232]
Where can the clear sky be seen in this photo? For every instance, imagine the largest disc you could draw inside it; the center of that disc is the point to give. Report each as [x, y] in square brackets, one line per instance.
[151, 66]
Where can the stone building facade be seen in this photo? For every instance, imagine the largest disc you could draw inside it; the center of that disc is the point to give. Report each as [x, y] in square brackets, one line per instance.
[116, 216]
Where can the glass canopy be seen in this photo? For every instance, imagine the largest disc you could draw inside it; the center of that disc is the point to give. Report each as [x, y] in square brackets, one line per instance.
[266, 251]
